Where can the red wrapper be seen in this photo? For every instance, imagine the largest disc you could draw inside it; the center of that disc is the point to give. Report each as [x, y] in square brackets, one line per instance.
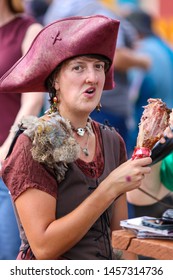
[141, 153]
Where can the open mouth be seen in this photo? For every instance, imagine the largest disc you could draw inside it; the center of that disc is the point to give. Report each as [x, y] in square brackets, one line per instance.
[90, 90]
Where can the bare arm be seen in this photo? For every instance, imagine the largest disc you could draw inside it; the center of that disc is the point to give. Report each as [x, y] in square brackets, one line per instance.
[37, 211]
[126, 58]
[31, 33]
[151, 183]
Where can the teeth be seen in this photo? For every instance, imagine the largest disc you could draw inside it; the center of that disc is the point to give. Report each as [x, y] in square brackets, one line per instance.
[90, 91]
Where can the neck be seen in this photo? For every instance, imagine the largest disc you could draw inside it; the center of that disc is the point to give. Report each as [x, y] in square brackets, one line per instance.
[81, 131]
[77, 125]
[76, 120]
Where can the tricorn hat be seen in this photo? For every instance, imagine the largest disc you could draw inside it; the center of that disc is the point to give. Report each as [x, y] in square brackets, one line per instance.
[58, 41]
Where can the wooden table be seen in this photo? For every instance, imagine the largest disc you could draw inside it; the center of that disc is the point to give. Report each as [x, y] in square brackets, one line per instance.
[153, 248]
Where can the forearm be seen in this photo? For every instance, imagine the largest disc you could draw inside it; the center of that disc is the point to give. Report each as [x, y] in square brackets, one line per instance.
[126, 58]
[71, 228]
[31, 104]
[44, 231]
[151, 184]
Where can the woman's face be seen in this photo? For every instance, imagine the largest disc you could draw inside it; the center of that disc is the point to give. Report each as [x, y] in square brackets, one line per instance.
[79, 83]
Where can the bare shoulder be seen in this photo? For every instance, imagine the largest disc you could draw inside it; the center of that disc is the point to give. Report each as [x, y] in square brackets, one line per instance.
[31, 33]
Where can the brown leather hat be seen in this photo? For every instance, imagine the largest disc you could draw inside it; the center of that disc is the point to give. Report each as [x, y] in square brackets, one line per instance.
[58, 41]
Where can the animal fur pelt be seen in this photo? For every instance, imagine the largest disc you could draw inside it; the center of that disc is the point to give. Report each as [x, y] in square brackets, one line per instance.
[53, 142]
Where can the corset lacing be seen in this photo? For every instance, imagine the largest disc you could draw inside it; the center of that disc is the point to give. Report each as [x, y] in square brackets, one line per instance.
[27, 251]
[104, 233]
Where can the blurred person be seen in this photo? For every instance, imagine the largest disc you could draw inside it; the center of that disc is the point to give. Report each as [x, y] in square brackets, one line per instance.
[37, 9]
[17, 31]
[74, 168]
[61, 9]
[116, 107]
[157, 81]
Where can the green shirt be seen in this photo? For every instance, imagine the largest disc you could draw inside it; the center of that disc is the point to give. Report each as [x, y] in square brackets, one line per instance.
[166, 172]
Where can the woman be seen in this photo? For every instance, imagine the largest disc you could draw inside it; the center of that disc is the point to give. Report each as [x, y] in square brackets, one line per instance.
[155, 195]
[66, 173]
[17, 30]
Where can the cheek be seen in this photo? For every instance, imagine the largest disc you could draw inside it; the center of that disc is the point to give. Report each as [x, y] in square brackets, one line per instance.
[102, 80]
[60, 85]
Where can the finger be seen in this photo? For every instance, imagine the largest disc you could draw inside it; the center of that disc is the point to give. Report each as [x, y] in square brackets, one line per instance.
[142, 161]
[146, 170]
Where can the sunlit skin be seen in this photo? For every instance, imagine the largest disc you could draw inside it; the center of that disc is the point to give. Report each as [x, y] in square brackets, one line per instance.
[79, 86]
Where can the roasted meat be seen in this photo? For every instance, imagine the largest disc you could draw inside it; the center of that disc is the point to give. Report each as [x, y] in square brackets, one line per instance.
[154, 120]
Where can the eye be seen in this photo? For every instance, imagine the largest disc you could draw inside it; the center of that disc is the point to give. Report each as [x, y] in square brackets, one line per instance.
[78, 68]
[99, 66]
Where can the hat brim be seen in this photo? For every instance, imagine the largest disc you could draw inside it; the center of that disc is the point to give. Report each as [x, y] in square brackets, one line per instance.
[58, 41]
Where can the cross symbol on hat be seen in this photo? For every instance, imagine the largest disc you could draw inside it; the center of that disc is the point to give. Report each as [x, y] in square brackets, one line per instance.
[56, 38]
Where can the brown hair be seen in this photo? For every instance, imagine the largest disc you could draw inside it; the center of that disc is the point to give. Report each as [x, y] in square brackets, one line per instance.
[16, 6]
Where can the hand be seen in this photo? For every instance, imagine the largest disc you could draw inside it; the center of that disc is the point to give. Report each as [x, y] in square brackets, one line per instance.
[128, 176]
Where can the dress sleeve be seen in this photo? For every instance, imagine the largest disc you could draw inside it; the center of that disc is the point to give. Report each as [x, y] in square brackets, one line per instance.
[20, 171]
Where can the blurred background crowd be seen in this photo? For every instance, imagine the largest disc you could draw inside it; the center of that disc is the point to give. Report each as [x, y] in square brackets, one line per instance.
[143, 69]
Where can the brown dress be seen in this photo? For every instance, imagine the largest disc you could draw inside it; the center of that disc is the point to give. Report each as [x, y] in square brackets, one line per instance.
[20, 172]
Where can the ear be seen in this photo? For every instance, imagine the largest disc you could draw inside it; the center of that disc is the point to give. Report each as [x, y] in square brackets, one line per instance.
[56, 84]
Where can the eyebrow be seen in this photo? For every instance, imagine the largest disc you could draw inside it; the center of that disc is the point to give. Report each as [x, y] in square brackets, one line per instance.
[83, 61]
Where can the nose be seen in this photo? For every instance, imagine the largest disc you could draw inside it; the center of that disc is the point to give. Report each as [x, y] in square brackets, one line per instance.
[91, 77]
